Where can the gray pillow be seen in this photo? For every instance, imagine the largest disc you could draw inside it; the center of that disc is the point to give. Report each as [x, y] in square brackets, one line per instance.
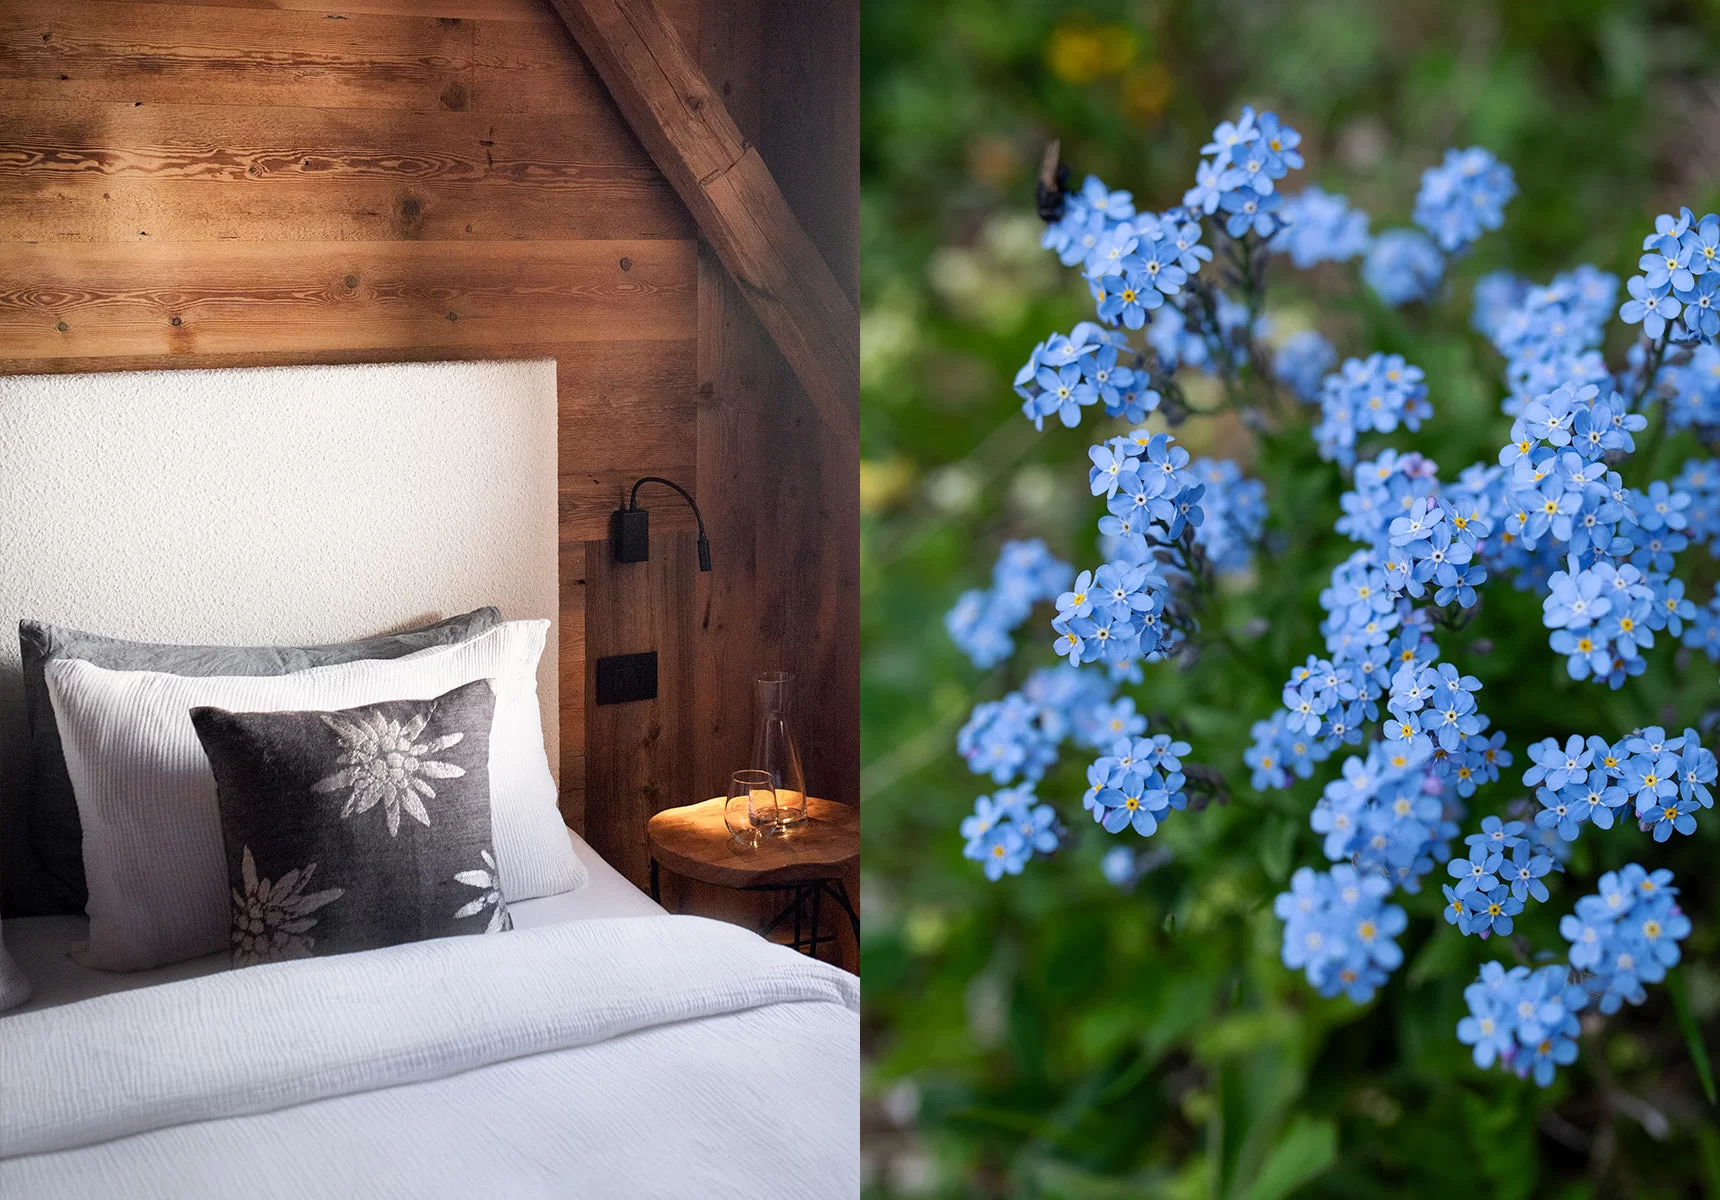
[356, 829]
[51, 836]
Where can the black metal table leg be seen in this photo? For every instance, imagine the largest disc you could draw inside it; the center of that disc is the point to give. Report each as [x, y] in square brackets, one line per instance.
[656, 890]
[804, 940]
[817, 895]
[840, 895]
[799, 906]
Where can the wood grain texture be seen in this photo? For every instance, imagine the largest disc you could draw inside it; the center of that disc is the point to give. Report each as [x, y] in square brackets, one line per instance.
[341, 10]
[84, 299]
[174, 54]
[637, 760]
[571, 662]
[728, 189]
[91, 171]
[693, 840]
[530, 68]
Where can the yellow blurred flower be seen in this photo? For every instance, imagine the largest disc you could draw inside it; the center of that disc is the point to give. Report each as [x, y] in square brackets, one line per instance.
[1146, 91]
[883, 482]
[1081, 53]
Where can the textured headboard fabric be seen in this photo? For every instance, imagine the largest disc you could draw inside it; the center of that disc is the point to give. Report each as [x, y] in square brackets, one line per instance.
[275, 506]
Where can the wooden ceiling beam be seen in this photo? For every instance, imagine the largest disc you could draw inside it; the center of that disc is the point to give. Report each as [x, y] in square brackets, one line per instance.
[687, 130]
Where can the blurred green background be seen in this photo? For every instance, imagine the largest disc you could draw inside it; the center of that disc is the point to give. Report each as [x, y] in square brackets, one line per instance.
[1053, 1036]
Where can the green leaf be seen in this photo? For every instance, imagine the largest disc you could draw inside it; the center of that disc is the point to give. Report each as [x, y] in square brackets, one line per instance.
[1692, 1034]
[1306, 1149]
[1439, 957]
[1277, 843]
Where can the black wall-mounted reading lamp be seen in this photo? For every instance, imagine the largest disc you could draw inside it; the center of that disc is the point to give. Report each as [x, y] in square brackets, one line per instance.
[630, 528]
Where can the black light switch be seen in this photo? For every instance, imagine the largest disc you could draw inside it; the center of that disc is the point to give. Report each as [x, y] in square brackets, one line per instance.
[625, 677]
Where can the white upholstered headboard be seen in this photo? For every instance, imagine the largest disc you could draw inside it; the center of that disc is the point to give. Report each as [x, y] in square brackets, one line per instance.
[276, 506]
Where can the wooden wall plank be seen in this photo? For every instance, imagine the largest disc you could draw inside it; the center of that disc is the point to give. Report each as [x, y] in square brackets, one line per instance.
[105, 172]
[340, 10]
[263, 143]
[172, 54]
[571, 660]
[72, 300]
[642, 765]
[730, 415]
[602, 206]
[532, 68]
[539, 68]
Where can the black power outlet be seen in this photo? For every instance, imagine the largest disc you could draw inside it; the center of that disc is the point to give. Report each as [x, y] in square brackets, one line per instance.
[626, 677]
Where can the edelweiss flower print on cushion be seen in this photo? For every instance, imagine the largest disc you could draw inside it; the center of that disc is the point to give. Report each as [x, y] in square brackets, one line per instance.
[356, 829]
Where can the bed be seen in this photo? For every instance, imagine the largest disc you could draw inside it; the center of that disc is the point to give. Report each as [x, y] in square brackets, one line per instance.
[600, 1048]
[40, 945]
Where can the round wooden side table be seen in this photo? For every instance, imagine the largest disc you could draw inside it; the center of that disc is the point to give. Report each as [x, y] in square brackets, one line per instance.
[808, 861]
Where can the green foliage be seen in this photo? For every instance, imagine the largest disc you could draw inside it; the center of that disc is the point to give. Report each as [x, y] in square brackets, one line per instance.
[1050, 1036]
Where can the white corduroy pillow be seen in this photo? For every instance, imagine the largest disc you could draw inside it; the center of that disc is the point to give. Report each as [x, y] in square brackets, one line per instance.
[146, 797]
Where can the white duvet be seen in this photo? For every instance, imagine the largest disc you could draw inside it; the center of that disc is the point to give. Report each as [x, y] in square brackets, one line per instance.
[642, 1057]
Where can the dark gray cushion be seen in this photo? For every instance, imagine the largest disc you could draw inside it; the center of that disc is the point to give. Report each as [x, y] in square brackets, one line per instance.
[53, 878]
[356, 829]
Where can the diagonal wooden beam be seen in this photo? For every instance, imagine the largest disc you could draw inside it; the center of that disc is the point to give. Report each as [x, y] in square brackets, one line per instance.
[728, 189]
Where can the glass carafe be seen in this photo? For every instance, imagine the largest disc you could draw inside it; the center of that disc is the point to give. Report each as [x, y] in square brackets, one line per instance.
[774, 750]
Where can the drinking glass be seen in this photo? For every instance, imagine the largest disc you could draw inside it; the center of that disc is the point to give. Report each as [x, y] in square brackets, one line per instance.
[750, 811]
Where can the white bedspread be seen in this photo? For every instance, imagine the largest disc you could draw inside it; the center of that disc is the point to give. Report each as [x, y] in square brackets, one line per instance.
[652, 1056]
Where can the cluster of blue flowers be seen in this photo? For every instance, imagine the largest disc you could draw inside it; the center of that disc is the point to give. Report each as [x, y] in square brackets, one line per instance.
[1552, 500]
[1403, 265]
[983, 618]
[1338, 929]
[1235, 511]
[1526, 1021]
[1625, 934]
[1614, 588]
[1122, 612]
[1422, 545]
[1377, 393]
[1238, 172]
[1553, 515]
[1691, 392]
[1140, 263]
[1134, 785]
[1020, 736]
[1621, 937]
[1548, 335]
[1665, 780]
[1092, 365]
[1463, 197]
[1677, 296]
[1007, 828]
[1501, 873]
[1459, 200]
[1320, 227]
